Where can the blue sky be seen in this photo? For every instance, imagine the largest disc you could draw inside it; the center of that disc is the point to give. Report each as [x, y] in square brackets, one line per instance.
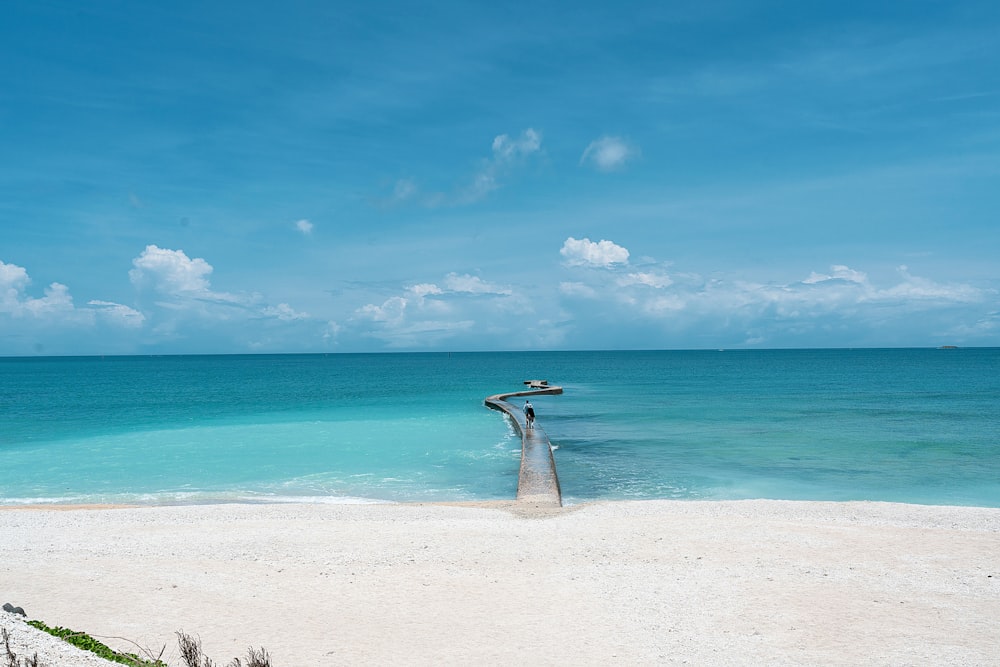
[240, 177]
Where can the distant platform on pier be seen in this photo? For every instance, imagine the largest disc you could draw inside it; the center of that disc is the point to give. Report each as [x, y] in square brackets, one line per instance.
[537, 384]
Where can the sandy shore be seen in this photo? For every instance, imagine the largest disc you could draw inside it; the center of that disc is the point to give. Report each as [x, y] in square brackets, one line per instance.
[658, 582]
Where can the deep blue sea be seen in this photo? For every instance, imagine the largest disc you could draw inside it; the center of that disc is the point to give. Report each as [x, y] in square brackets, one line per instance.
[904, 425]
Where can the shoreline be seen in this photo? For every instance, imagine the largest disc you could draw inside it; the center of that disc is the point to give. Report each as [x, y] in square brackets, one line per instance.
[626, 582]
[490, 503]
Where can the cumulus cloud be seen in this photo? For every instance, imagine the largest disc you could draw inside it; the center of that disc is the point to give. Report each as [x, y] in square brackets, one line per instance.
[185, 293]
[608, 153]
[57, 303]
[170, 271]
[56, 300]
[13, 279]
[584, 252]
[56, 309]
[184, 309]
[304, 226]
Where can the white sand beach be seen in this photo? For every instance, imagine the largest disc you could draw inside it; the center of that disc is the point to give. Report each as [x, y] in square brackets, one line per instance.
[630, 583]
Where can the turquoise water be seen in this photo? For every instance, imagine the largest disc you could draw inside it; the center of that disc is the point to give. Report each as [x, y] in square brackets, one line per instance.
[919, 426]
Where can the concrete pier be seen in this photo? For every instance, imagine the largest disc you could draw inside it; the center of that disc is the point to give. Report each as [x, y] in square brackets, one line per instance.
[537, 481]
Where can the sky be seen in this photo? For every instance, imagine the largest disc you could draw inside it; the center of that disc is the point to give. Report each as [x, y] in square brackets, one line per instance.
[282, 177]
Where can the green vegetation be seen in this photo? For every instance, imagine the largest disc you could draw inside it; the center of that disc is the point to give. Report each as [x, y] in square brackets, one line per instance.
[88, 643]
[190, 651]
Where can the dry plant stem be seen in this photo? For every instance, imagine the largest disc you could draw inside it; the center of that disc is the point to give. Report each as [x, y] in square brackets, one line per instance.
[12, 660]
[191, 651]
[193, 656]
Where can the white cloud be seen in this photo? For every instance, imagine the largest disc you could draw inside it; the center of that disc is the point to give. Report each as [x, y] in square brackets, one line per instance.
[473, 285]
[403, 191]
[421, 290]
[185, 298]
[840, 272]
[840, 307]
[577, 289]
[13, 279]
[170, 271]
[183, 282]
[56, 300]
[608, 153]
[118, 313]
[392, 310]
[986, 325]
[456, 284]
[284, 312]
[304, 226]
[647, 278]
[331, 331]
[506, 149]
[428, 313]
[922, 289]
[56, 308]
[584, 252]
[844, 283]
[402, 322]
[56, 304]
[665, 304]
[184, 311]
[483, 183]
[507, 153]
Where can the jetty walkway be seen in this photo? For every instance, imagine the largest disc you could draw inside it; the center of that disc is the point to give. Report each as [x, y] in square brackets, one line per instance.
[537, 481]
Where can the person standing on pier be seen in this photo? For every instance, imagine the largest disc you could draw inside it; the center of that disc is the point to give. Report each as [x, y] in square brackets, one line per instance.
[529, 414]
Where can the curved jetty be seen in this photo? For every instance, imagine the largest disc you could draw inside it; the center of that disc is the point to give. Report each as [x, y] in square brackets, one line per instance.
[537, 482]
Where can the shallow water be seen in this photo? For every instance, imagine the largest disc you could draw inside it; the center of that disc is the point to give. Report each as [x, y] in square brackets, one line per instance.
[917, 426]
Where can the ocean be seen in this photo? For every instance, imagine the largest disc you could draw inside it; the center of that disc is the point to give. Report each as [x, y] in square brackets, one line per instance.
[901, 425]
